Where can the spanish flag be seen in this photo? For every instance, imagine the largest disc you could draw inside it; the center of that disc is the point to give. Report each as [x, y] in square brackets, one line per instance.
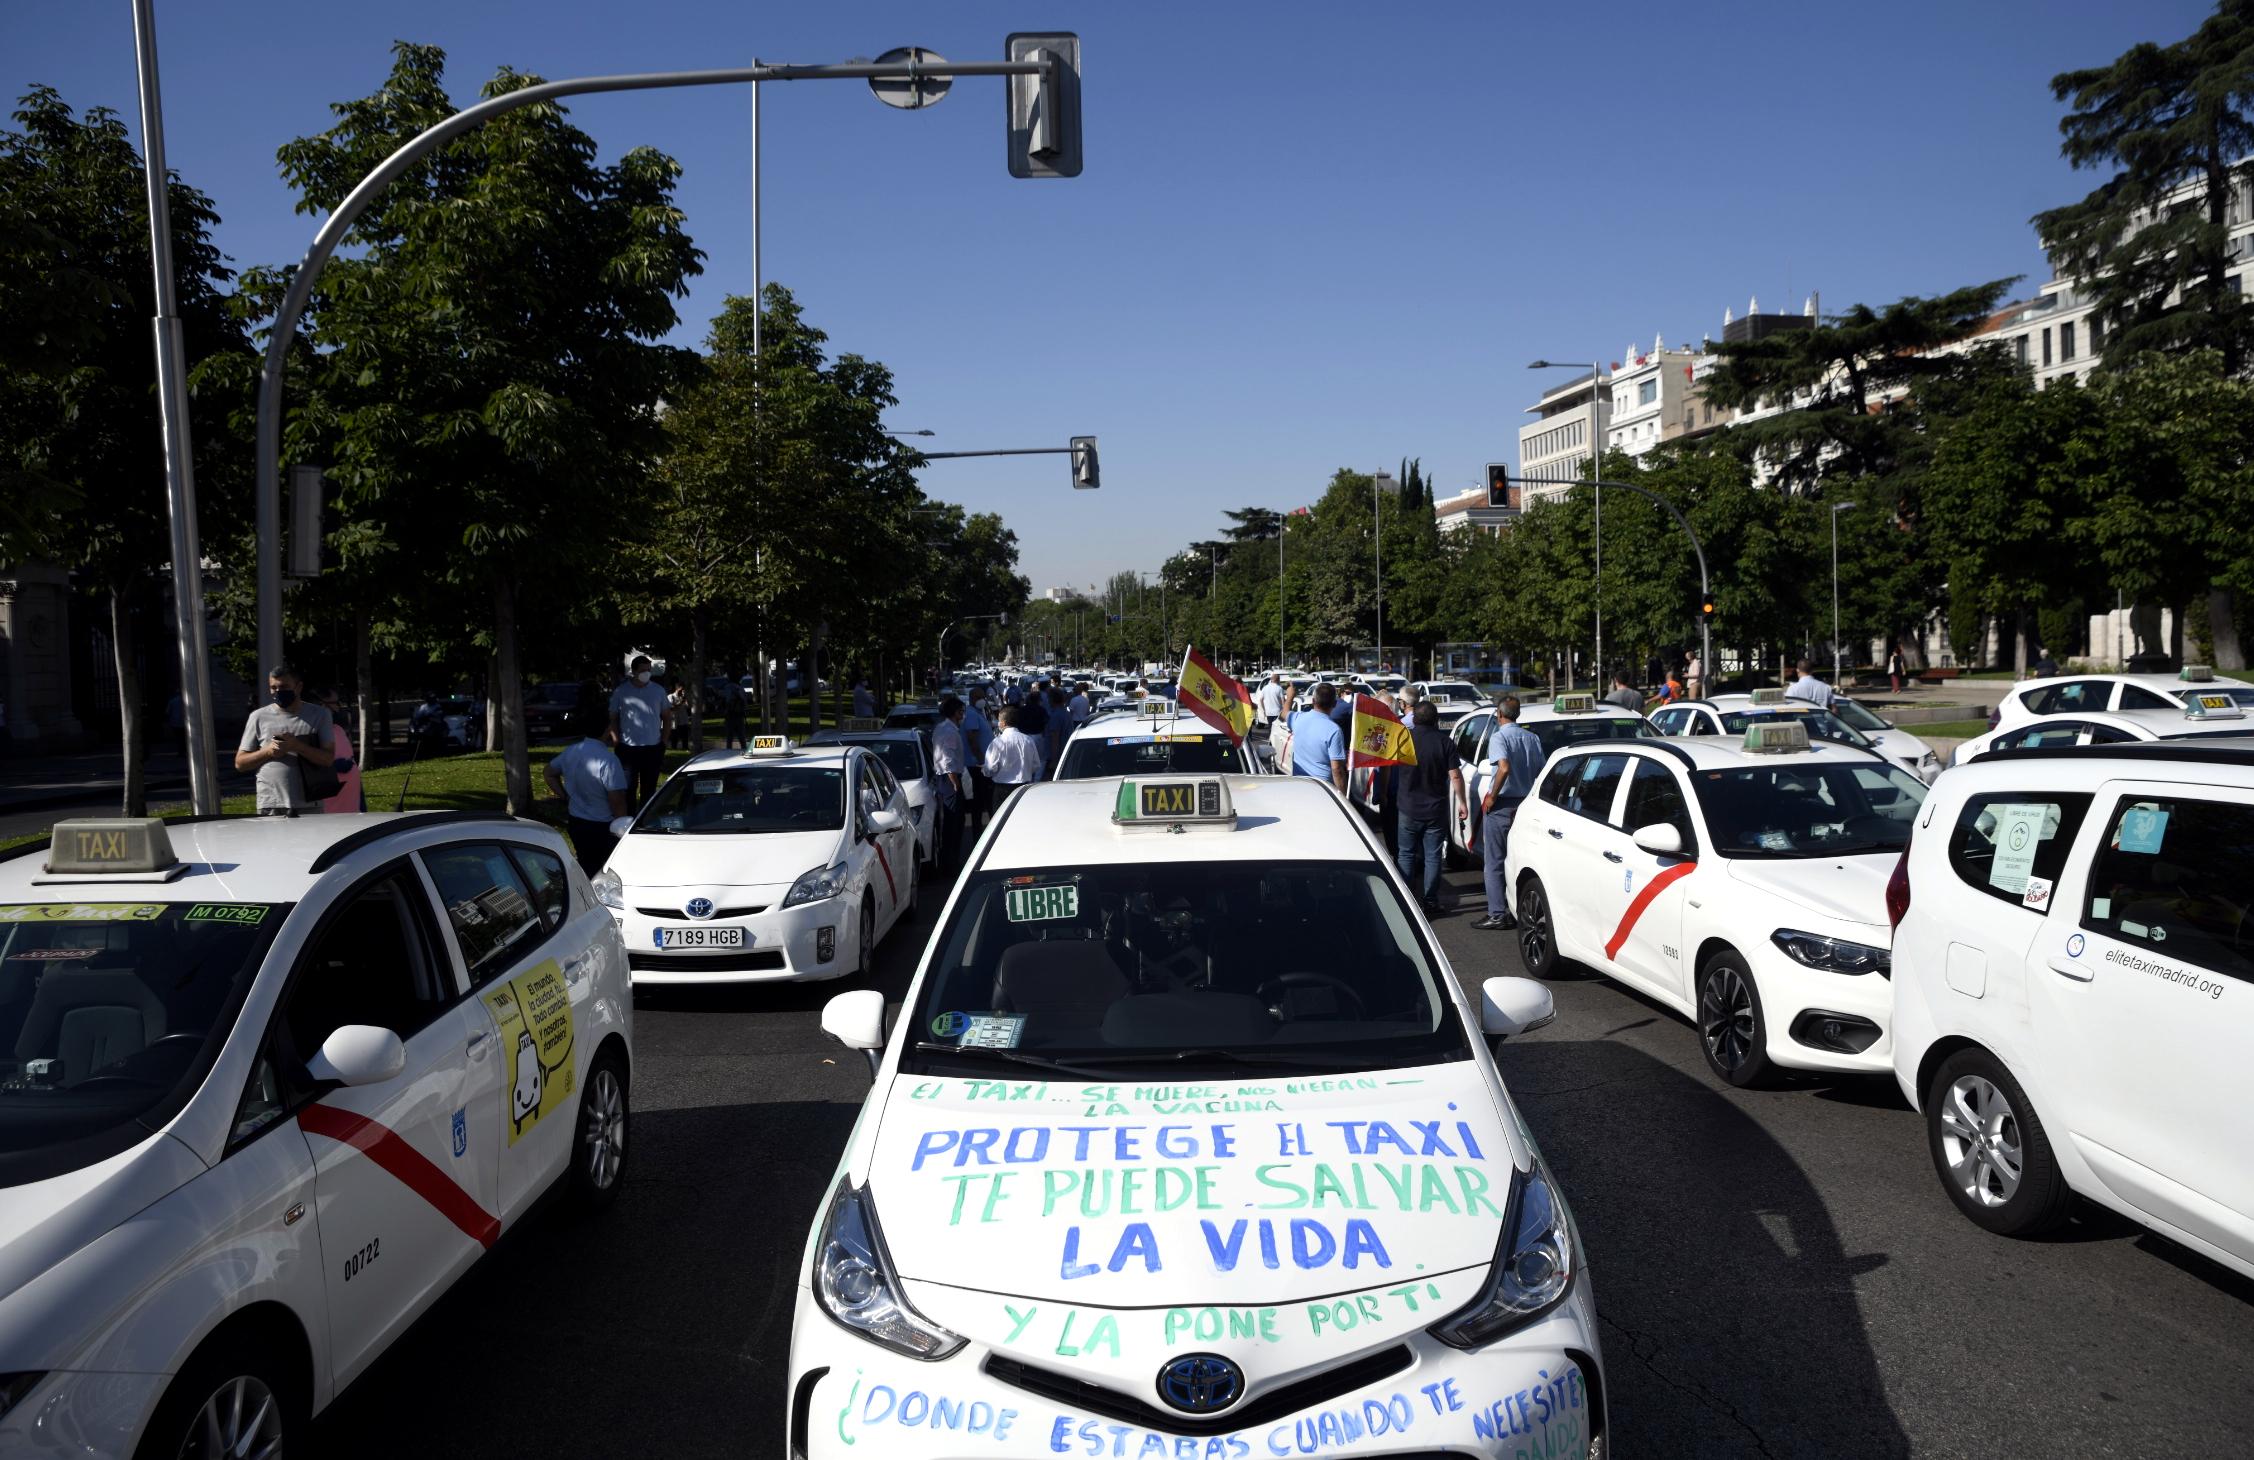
[1379, 737]
[1214, 697]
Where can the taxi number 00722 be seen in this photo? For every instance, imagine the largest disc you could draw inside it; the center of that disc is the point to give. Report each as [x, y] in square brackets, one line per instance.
[358, 1261]
[700, 938]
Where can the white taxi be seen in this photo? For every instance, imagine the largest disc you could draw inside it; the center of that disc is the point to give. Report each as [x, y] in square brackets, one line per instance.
[1844, 721]
[2074, 987]
[268, 1087]
[1739, 883]
[1455, 698]
[906, 753]
[2078, 694]
[1565, 720]
[1157, 736]
[1186, 1142]
[2210, 715]
[774, 864]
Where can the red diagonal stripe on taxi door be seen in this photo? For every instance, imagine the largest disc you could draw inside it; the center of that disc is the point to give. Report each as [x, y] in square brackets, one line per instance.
[1642, 900]
[415, 1171]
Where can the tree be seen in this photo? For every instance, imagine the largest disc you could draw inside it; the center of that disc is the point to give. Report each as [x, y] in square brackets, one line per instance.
[1252, 524]
[490, 368]
[82, 476]
[2151, 243]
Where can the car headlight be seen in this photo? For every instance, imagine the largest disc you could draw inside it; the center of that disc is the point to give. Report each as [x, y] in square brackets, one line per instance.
[1832, 955]
[13, 1387]
[609, 890]
[814, 886]
[1533, 1270]
[855, 1284]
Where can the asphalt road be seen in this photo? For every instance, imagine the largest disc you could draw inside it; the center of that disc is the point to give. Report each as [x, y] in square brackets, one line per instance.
[1778, 1272]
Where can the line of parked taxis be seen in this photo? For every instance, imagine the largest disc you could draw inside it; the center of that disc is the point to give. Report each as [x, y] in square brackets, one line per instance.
[1186, 1139]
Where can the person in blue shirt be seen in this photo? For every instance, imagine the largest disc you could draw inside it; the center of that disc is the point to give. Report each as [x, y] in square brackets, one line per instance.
[592, 784]
[1518, 756]
[1316, 746]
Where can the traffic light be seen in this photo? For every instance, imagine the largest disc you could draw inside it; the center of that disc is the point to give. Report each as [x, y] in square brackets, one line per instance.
[1085, 476]
[1498, 485]
[1044, 110]
[1706, 608]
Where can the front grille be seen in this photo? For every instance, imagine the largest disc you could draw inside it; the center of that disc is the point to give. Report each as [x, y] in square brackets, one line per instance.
[676, 915]
[758, 960]
[1274, 1405]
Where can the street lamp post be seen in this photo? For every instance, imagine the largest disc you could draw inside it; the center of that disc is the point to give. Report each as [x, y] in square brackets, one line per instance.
[1836, 509]
[1377, 547]
[1596, 463]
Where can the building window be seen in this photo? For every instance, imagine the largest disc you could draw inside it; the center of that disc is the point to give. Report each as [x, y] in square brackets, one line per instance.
[2066, 341]
[1647, 392]
[2046, 347]
[2097, 334]
[2019, 347]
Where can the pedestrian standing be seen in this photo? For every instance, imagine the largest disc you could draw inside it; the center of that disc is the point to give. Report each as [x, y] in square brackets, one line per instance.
[1314, 745]
[640, 714]
[346, 764]
[1897, 667]
[949, 780]
[1672, 692]
[280, 739]
[1270, 701]
[1014, 759]
[1076, 708]
[1060, 727]
[978, 737]
[864, 701]
[1694, 678]
[1808, 687]
[677, 700]
[592, 784]
[1517, 755]
[1625, 694]
[1427, 792]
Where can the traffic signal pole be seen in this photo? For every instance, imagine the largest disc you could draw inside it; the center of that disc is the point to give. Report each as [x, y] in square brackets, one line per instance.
[1705, 625]
[1055, 74]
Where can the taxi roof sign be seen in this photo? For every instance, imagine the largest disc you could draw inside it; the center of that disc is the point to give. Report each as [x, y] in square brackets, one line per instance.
[1775, 737]
[770, 745]
[1574, 704]
[132, 846]
[1155, 708]
[2212, 707]
[1172, 801]
[860, 724]
[2198, 674]
[1769, 696]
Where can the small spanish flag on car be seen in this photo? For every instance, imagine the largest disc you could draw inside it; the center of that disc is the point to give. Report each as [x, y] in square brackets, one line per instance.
[1379, 737]
[1214, 697]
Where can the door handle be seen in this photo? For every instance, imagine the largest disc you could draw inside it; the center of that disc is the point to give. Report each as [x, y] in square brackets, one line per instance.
[1553, 831]
[477, 1042]
[2080, 973]
[1612, 856]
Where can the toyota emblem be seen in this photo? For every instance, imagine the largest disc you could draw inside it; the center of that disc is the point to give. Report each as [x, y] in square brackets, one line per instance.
[699, 907]
[1201, 1383]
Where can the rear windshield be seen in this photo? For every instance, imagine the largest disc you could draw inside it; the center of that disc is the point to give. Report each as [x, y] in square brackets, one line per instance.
[110, 1014]
[1855, 715]
[747, 799]
[903, 759]
[1572, 730]
[1127, 754]
[1317, 965]
[1822, 724]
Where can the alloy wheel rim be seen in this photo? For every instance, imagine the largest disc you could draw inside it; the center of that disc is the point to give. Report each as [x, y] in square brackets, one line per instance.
[1725, 1017]
[242, 1420]
[1534, 929]
[1980, 1140]
[868, 936]
[603, 1129]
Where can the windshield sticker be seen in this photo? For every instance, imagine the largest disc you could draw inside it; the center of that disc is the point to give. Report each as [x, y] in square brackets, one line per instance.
[708, 785]
[534, 1014]
[992, 1031]
[249, 914]
[2143, 828]
[1041, 904]
[51, 955]
[2018, 834]
[1776, 841]
[949, 1024]
[2037, 896]
[83, 912]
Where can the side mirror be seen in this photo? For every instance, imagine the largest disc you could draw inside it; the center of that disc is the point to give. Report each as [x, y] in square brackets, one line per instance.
[1510, 1006]
[358, 1054]
[855, 1019]
[1661, 839]
[886, 820]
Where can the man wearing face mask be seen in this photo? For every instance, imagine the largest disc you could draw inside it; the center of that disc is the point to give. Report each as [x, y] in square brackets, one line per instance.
[640, 714]
[279, 738]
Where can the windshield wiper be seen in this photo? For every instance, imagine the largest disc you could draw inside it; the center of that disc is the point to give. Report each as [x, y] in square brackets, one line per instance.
[1010, 1056]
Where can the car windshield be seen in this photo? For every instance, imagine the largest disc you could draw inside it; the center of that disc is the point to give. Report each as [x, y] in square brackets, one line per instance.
[901, 757]
[1796, 808]
[110, 1015]
[1225, 966]
[1822, 724]
[746, 799]
[1855, 716]
[1572, 730]
[1127, 753]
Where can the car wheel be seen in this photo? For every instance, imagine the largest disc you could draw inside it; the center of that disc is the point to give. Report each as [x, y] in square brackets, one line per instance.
[1990, 1149]
[233, 1399]
[1537, 931]
[598, 1158]
[1731, 1028]
[868, 953]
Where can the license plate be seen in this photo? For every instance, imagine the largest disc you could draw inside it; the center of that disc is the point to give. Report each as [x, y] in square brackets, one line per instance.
[700, 937]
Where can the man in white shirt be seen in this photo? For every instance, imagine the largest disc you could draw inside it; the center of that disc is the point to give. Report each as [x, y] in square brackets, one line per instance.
[593, 786]
[1270, 700]
[1014, 759]
[1808, 687]
[947, 779]
[640, 715]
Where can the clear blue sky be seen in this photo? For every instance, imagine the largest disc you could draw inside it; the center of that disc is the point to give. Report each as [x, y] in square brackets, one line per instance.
[1309, 235]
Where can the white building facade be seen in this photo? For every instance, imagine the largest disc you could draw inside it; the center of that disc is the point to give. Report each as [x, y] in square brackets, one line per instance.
[1570, 422]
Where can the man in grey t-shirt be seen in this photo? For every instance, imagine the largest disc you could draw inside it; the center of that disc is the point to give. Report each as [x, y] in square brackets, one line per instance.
[278, 738]
[640, 715]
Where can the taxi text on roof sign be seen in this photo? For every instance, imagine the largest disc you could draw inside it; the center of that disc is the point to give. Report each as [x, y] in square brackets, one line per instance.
[1574, 704]
[1769, 696]
[1172, 801]
[860, 724]
[119, 844]
[2212, 707]
[770, 745]
[1775, 737]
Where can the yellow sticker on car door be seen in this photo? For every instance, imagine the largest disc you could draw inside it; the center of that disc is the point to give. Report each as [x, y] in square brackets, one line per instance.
[533, 1013]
